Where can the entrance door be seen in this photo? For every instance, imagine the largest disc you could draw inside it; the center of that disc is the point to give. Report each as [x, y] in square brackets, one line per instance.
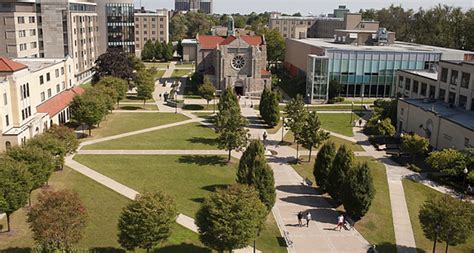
[239, 90]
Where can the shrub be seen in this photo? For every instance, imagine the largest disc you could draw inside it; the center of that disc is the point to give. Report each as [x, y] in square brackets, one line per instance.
[414, 168]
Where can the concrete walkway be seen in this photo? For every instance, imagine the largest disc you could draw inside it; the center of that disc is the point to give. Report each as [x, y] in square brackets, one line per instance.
[293, 196]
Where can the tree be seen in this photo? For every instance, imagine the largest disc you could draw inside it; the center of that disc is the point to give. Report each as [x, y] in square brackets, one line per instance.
[88, 108]
[66, 136]
[414, 144]
[450, 161]
[147, 221]
[145, 86]
[148, 52]
[179, 49]
[358, 191]
[158, 50]
[447, 219]
[15, 184]
[137, 64]
[52, 145]
[296, 118]
[269, 109]
[342, 164]
[119, 86]
[275, 45]
[39, 163]
[254, 171]
[230, 218]
[323, 165]
[207, 90]
[385, 127]
[312, 135]
[107, 96]
[334, 88]
[230, 124]
[167, 51]
[114, 62]
[57, 220]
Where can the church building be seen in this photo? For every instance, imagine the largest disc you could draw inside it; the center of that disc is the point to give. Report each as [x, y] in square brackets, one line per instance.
[238, 61]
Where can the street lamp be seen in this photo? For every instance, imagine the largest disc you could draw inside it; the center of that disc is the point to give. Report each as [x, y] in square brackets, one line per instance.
[352, 111]
[465, 171]
[282, 128]
[309, 101]
[214, 98]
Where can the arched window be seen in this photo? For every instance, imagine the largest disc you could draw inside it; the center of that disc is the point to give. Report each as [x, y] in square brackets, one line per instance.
[8, 145]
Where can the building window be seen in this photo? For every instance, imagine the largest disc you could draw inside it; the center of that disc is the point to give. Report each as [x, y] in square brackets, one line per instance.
[454, 77]
[49, 93]
[32, 32]
[444, 75]
[21, 20]
[62, 70]
[451, 97]
[400, 82]
[31, 19]
[466, 78]
[48, 77]
[23, 47]
[415, 86]
[463, 101]
[7, 120]
[423, 89]
[442, 94]
[56, 72]
[42, 96]
[432, 91]
[8, 145]
[41, 79]
[407, 84]
[33, 44]
[58, 88]
[467, 143]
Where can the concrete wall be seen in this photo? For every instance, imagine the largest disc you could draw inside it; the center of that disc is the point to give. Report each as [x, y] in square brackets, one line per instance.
[296, 53]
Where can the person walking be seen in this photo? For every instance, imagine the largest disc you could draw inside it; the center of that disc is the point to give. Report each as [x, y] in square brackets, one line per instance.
[300, 217]
[308, 218]
[340, 222]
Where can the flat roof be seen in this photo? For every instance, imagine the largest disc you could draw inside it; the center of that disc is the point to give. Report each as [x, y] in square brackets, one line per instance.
[456, 115]
[307, 18]
[35, 64]
[424, 73]
[398, 46]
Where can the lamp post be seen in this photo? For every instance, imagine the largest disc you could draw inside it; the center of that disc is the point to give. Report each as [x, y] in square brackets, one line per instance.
[352, 111]
[309, 101]
[282, 128]
[465, 171]
[214, 98]
[176, 101]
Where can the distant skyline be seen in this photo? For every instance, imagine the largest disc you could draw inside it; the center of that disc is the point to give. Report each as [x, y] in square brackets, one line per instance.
[314, 7]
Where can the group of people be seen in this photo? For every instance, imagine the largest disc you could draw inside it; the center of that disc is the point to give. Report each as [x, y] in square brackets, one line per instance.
[306, 215]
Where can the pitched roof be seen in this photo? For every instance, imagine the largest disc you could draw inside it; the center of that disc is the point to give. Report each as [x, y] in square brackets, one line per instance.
[59, 102]
[8, 65]
[211, 42]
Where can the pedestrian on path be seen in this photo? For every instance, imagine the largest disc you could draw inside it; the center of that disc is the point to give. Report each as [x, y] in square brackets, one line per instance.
[308, 218]
[360, 122]
[340, 222]
[300, 217]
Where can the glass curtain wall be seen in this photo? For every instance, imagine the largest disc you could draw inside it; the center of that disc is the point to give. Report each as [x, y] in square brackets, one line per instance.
[317, 81]
[120, 26]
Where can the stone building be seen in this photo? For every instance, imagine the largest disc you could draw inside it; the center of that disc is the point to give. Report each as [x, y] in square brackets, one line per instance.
[238, 61]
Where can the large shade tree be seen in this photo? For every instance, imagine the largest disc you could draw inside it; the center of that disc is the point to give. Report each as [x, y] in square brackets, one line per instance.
[114, 62]
[323, 165]
[119, 86]
[312, 135]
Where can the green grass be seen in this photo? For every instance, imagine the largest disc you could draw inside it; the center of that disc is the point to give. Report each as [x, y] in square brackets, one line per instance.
[134, 107]
[336, 108]
[189, 136]
[338, 122]
[180, 72]
[104, 207]
[377, 225]
[158, 65]
[86, 85]
[117, 123]
[288, 139]
[159, 74]
[135, 99]
[275, 129]
[184, 65]
[201, 107]
[416, 194]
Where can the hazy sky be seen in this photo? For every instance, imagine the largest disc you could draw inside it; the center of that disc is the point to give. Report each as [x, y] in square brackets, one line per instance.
[305, 6]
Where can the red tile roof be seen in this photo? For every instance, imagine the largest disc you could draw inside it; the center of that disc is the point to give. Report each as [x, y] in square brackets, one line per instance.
[59, 102]
[211, 42]
[8, 65]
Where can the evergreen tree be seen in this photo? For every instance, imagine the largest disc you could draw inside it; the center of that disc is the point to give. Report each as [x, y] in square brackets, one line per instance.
[323, 165]
[341, 166]
[58, 220]
[254, 171]
[312, 135]
[230, 218]
[147, 221]
[158, 50]
[15, 184]
[167, 51]
[179, 49]
[145, 86]
[269, 109]
[230, 124]
[148, 52]
[358, 191]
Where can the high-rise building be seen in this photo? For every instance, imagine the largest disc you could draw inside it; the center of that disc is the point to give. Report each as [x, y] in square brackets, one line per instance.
[194, 5]
[152, 26]
[116, 25]
[51, 29]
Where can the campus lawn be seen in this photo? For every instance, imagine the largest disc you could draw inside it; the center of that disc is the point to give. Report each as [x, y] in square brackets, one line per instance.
[135, 99]
[180, 72]
[117, 123]
[189, 178]
[104, 207]
[377, 225]
[159, 74]
[336, 108]
[158, 65]
[275, 129]
[134, 107]
[184, 65]
[416, 194]
[190, 136]
[288, 139]
[200, 107]
[338, 122]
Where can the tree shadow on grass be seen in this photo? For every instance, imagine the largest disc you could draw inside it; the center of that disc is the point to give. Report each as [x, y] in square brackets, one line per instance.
[131, 108]
[193, 107]
[392, 248]
[202, 160]
[214, 187]
[106, 250]
[182, 248]
[198, 200]
[203, 140]
[16, 250]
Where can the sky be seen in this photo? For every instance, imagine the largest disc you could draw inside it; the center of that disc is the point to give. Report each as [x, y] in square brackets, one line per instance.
[305, 7]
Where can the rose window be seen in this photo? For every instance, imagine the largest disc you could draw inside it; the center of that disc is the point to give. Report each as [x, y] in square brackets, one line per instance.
[238, 62]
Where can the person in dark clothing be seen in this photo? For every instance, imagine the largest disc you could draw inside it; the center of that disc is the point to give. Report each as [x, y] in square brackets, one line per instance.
[300, 217]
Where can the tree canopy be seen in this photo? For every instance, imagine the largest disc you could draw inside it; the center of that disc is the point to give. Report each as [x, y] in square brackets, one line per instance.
[414, 144]
[312, 135]
[450, 161]
[358, 191]
[119, 86]
[342, 164]
[269, 108]
[323, 165]
[114, 62]
[207, 90]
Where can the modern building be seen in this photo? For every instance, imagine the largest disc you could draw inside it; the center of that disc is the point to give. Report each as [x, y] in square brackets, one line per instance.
[51, 29]
[237, 61]
[365, 69]
[318, 27]
[152, 26]
[194, 5]
[36, 94]
[116, 25]
[340, 12]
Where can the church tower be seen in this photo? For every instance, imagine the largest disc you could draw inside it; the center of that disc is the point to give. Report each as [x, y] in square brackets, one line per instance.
[230, 27]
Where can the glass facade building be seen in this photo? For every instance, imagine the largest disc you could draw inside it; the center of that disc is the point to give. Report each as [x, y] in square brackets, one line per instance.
[121, 26]
[363, 73]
